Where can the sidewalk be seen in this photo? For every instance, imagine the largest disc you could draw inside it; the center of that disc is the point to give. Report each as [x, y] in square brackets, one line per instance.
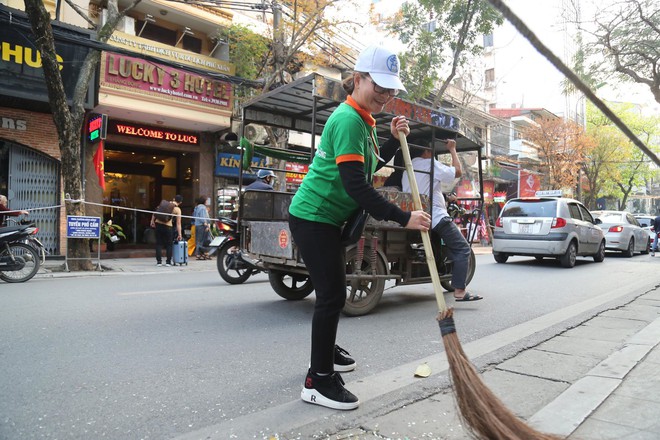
[599, 380]
[55, 268]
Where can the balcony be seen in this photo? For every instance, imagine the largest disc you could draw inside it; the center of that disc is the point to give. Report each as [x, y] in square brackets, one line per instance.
[524, 149]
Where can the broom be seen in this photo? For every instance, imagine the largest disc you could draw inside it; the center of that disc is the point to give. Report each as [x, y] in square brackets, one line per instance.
[484, 415]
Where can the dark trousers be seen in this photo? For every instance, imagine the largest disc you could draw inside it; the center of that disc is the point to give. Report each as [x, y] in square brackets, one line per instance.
[325, 258]
[447, 230]
[201, 234]
[164, 239]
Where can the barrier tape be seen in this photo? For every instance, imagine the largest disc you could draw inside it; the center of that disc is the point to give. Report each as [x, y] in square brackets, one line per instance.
[105, 206]
[132, 209]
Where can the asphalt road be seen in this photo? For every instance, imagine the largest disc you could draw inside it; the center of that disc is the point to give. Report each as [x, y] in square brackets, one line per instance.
[169, 355]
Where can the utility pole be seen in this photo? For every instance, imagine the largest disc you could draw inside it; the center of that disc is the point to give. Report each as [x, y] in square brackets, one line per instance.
[278, 43]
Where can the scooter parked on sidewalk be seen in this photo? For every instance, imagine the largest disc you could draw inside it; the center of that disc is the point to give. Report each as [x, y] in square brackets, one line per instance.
[21, 253]
[232, 266]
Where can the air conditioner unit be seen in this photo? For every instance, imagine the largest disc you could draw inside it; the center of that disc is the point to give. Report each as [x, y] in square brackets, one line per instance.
[256, 134]
[125, 25]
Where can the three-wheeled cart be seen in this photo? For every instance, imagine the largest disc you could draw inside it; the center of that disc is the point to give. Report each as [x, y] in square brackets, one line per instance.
[386, 251]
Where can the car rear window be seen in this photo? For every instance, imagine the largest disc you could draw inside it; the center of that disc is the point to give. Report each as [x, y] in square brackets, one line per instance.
[644, 222]
[531, 208]
[609, 218]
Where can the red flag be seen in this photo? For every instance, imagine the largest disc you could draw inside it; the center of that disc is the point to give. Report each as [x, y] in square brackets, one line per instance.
[98, 164]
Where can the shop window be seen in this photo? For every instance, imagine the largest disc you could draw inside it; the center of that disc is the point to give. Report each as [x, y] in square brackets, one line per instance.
[192, 44]
[157, 33]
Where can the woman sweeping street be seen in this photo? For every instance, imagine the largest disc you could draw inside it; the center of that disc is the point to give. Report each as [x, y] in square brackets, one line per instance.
[337, 185]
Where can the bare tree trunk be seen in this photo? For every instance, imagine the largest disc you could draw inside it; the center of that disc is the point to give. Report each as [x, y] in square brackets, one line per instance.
[69, 121]
[68, 126]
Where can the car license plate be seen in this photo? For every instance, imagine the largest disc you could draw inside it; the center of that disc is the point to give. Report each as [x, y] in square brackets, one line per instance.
[525, 229]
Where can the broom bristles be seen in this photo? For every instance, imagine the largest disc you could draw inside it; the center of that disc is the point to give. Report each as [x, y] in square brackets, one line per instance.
[484, 415]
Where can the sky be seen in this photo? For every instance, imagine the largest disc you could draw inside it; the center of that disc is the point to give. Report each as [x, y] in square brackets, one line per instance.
[526, 78]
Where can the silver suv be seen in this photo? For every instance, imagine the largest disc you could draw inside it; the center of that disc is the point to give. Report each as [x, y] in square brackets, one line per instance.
[547, 227]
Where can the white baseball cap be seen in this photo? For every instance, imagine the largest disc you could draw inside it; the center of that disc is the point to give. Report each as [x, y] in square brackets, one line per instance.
[382, 65]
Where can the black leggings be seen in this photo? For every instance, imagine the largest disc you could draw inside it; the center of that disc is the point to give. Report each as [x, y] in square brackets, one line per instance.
[325, 259]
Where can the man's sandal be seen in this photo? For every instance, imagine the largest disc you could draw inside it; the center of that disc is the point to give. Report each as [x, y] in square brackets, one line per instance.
[469, 297]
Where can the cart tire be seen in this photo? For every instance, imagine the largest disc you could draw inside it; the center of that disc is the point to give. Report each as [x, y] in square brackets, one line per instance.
[291, 286]
[472, 266]
[236, 275]
[363, 296]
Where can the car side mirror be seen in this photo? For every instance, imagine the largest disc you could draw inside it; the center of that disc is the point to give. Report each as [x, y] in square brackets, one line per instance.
[598, 221]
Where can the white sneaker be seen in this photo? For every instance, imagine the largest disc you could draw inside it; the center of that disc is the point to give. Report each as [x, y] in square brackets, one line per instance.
[159, 264]
[167, 265]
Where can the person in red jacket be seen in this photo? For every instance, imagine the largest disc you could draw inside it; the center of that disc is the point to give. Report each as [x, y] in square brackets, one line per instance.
[4, 211]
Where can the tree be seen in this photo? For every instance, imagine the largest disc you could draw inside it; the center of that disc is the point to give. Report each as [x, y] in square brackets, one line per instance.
[615, 165]
[599, 163]
[435, 32]
[562, 147]
[628, 34]
[242, 41]
[69, 120]
[302, 31]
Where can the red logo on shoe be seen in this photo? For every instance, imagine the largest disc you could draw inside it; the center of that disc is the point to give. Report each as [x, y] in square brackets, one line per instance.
[308, 382]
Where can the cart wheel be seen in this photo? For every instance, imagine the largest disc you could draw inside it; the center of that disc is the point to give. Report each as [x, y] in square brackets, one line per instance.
[472, 266]
[363, 295]
[291, 286]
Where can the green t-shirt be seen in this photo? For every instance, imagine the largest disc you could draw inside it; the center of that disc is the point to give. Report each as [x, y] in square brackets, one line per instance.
[321, 196]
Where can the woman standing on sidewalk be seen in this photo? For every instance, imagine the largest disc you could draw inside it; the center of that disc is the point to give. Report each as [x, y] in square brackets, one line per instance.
[336, 186]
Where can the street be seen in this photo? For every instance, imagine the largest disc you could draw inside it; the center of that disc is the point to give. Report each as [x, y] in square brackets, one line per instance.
[184, 355]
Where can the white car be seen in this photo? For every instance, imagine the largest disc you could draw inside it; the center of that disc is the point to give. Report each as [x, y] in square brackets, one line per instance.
[623, 232]
[547, 227]
[646, 222]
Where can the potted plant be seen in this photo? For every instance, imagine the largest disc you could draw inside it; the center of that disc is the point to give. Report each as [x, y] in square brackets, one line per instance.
[111, 233]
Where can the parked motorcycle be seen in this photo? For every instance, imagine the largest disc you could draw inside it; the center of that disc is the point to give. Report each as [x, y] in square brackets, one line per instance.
[232, 266]
[21, 253]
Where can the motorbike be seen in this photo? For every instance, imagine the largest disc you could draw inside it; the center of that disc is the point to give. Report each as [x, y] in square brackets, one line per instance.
[21, 253]
[233, 267]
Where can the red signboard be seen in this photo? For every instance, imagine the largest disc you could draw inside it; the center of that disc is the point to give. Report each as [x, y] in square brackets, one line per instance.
[127, 72]
[467, 189]
[295, 172]
[489, 190]
[528, 184]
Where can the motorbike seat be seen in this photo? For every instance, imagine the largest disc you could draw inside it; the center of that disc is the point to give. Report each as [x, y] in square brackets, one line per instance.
[6, 229]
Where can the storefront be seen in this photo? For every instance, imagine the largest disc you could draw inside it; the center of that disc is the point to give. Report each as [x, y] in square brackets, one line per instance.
[29, 147]
[161, 131]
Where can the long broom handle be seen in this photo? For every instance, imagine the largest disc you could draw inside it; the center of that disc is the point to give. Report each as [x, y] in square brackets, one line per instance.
[426, 237]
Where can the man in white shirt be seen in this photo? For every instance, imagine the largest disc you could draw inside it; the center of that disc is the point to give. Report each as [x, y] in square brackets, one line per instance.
[443, 227]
